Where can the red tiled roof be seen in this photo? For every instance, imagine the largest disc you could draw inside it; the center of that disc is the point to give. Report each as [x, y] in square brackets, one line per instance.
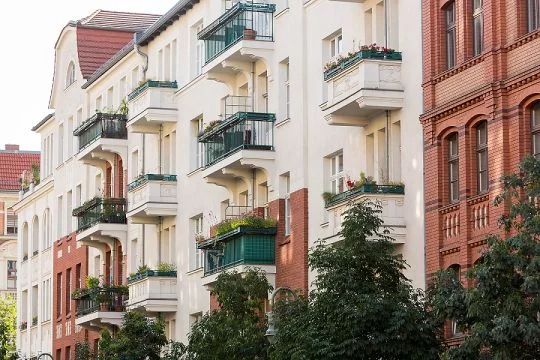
[122, 21]
[12, 165]
[101, 35]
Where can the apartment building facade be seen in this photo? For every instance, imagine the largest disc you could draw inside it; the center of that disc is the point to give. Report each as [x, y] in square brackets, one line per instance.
[15, 172]
[481, 109]
[215, 112]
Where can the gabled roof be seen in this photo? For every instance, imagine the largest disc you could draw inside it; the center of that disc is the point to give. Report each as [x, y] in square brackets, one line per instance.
[12, 165]
[120, 21]
[42, 122]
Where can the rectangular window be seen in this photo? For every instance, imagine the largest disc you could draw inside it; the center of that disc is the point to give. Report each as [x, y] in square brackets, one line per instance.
[68, 291]
[46, 300]
[478, 27]
[11, 274]
[533, 15]
[336, 174]
[453, 167]
[60, 215]
[450, 15]
[60, 144]
[535, 125]
[196, 129]
[336, 45]
[197, 254]
[11, 222]
[287, 188]
[287, 91]
[199, 51]
[69, 217]
[482, 159]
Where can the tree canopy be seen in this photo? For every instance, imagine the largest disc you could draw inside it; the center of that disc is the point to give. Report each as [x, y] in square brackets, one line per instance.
[362, 306]
[8, 327]
[500, 315]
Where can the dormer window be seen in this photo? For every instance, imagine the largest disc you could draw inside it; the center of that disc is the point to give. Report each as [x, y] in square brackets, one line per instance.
[70, 76]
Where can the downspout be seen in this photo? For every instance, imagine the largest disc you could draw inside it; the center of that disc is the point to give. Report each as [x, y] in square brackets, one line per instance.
[137, 48]
[160, 144]
[253, 86]
[253, 190]
[385, 23]
[387, 145]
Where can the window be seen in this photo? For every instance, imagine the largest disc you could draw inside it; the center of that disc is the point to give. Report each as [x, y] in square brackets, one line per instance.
[478, 27]
[336, 45]
[60, 214]
[453, 167]
[197, 254]
[450, 16]
[58, 295]
[199, 51]
[46, 300]
[287, 91]
[533, 15]
[336, 174]
[11, 274]
[11, 222]
[456, 269]
[481, 157]
[535, 123]
[196, 129]
[69, 217]
[60, 144]
[68, 291]
[287, 188]
[70, 76]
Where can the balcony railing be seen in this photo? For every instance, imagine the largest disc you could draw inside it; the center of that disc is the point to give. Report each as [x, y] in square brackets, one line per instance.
[101, 299]
[249, 21]
[151, 273]
[151, 84]
[365, 189]
[101, 126]
[242, 131]
[143, 179]
[243, 245]
[344, 63]
[100, 210]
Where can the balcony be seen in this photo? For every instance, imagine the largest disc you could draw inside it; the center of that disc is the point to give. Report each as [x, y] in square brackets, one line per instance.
[242, 246]
[390, 197]
[100, 221]
[243, 33]
[152, 105]
[363, 86]
[153, 292]
[151, 196]
[101, 137]
[100, 307]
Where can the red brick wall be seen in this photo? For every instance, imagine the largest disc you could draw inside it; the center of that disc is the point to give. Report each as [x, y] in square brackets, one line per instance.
[292, 249]
[65, 321]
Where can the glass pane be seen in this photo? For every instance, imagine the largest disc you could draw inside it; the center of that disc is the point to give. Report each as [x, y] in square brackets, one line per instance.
[340, 185]
[481, 130]
[333, 169]
[340, 163]
[453, 145]
[482, 161]
[536, 144]
[482, 181]
[535, 115]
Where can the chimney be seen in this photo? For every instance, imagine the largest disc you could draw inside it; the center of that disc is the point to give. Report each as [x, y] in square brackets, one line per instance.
[12, 147]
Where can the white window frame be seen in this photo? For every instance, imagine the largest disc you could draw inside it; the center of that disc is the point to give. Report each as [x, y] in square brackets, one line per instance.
[199, 51]
[337, 176]
[336, 45]
[287, 91]
[198, 227]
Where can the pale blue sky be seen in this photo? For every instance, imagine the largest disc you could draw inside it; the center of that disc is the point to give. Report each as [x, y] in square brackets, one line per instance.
[29, 30]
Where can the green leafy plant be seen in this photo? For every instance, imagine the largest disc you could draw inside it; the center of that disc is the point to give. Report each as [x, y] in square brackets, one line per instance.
[248, 221]
[327, 196]
[142, 269]
[210, 126]
[92, 282]
[8, 326]
[166, 267]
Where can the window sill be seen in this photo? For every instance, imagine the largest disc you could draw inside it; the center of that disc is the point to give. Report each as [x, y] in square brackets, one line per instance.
[283, 122]
[282, 12]
[195, 271]
[193, 172]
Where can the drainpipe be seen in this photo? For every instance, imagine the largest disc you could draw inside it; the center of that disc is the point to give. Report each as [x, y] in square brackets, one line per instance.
[159, 149]
[387, 145]
[253, 86]
[385, 23]
[253, 190]
[137, 48]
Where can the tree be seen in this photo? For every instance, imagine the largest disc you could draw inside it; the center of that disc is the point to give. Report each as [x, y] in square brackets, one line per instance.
[500, 314]
[139, 338]
[236, 330]
[8, 327]
[362, 306]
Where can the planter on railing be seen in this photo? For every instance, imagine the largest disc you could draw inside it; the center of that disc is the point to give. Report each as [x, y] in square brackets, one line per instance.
[242, 131]
[151, 273]
[347, 62]
[100, 210]
[365, 189]
[102, 299]
[151, 84]
[143, 179]
[101, 126]
[249, 21]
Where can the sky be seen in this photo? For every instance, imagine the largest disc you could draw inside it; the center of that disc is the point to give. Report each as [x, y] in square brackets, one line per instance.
[30, 30]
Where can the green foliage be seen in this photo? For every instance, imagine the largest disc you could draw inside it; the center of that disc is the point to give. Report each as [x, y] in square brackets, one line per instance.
[142, 269]
[83, 351]
[362, 306]
[250, 221]
[166, 267]
[499, 316]
[235, 331]
[139, 338]
[92, 282]
[8, 327]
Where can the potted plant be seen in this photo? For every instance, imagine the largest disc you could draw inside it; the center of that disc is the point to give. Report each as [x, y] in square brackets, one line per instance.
[92, 282]
[166, 269]
[34, 320]
[249, 34]
[24, 325]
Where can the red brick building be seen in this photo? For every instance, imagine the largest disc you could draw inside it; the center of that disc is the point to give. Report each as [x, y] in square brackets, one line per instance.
[481, 115]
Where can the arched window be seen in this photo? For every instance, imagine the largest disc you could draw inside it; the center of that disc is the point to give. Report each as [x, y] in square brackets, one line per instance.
[453, 168]
[35, 235]
[535, 129]
[481, 157]
[25, 241]
[70, 76]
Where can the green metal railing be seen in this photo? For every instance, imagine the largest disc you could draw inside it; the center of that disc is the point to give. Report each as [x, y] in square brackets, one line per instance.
[102, 299]
[365, 189]
[100, 210]
[250, 21]
[242, 131]
[151, 84]
[143, 179]
[101, 125]
[243, 245]
[360, 55]
[151, 273]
